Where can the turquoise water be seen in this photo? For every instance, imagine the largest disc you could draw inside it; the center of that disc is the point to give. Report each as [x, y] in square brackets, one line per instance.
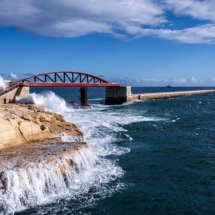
[163, 151]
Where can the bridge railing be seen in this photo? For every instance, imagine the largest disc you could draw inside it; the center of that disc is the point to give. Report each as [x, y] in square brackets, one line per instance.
[12, 87]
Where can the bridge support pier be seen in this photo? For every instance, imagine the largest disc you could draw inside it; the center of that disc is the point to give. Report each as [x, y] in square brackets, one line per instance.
[84, 101]
[117, 95]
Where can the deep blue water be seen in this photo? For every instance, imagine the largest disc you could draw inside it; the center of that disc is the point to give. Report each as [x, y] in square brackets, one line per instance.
[170, 168]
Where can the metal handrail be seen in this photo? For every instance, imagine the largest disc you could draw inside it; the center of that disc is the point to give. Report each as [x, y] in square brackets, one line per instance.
[9, 89]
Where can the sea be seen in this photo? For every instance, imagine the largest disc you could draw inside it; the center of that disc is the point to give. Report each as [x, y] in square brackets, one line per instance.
[150, 157]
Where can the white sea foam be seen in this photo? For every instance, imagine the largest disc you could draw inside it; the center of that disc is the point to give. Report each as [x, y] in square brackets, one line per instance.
[130, 138]
[50, 100]
[97, 99]
[101, 127]
[67, 138]
[133, 102]
[39, 183]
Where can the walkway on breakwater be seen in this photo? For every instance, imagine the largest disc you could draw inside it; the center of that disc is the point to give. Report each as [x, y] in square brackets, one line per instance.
[167, 95]
[118, 95]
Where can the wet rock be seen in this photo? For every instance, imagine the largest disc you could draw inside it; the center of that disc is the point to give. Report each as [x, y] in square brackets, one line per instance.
[31, 172]
[3, 182]
[40, 155]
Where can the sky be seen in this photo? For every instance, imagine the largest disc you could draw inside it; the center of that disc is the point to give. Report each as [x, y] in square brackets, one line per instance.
[137, 42]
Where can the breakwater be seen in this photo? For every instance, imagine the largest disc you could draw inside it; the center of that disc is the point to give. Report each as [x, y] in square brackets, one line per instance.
[167, 95]
[119, 95]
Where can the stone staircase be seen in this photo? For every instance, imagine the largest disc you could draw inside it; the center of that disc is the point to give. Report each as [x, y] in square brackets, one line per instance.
[9, 94]
[3, 92]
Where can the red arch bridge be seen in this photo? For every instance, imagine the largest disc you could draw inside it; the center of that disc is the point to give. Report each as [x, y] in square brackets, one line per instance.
[65, 79]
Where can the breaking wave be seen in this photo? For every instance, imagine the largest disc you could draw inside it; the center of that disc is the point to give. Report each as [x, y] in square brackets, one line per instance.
[101, 126]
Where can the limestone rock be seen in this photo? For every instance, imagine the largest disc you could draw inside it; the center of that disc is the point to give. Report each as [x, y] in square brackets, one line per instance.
[36, 165]
[20, 123]
[37, 149]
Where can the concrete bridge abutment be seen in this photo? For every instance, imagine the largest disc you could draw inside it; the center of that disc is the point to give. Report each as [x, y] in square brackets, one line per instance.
[9, 95]
[117, 95]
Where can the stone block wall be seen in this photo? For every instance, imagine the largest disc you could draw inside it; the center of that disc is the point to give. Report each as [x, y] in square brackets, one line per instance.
[117, 95]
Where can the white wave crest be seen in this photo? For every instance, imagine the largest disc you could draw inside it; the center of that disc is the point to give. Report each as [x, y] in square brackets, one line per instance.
[103, 126]
[41, 183]
[2, 83]
[49, 99]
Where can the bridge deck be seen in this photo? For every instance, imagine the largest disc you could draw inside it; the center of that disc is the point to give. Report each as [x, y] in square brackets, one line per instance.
[52, 84]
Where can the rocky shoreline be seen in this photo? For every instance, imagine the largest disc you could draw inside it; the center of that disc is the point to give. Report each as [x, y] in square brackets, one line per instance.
[22, 124]
[40, 155]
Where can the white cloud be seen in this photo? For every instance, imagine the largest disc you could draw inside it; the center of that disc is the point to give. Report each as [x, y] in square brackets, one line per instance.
[13, 76]
[199, 34]
[166, 81]
[75, 18]
[153, 80]
[178, 81]
[120, 18]
[195, 80]
[212, 79]
[198, 9]
[150, 82]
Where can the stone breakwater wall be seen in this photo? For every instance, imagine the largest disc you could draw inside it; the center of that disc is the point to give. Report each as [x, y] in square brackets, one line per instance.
[21, 124]
[118, 95]
[7, 96]
[167, 95]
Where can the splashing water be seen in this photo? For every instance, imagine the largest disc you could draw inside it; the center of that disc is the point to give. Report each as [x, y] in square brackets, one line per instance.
[49, 99]
[41, 184]
[42, 181]
[2, 83]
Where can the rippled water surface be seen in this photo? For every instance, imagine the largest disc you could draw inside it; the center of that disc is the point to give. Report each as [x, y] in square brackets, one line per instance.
[152, 157]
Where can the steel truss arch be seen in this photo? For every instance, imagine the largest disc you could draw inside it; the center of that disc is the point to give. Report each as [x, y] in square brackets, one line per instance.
[64, 78]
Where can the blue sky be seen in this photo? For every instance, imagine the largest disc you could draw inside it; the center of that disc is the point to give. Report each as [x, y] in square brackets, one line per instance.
[139, 42]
